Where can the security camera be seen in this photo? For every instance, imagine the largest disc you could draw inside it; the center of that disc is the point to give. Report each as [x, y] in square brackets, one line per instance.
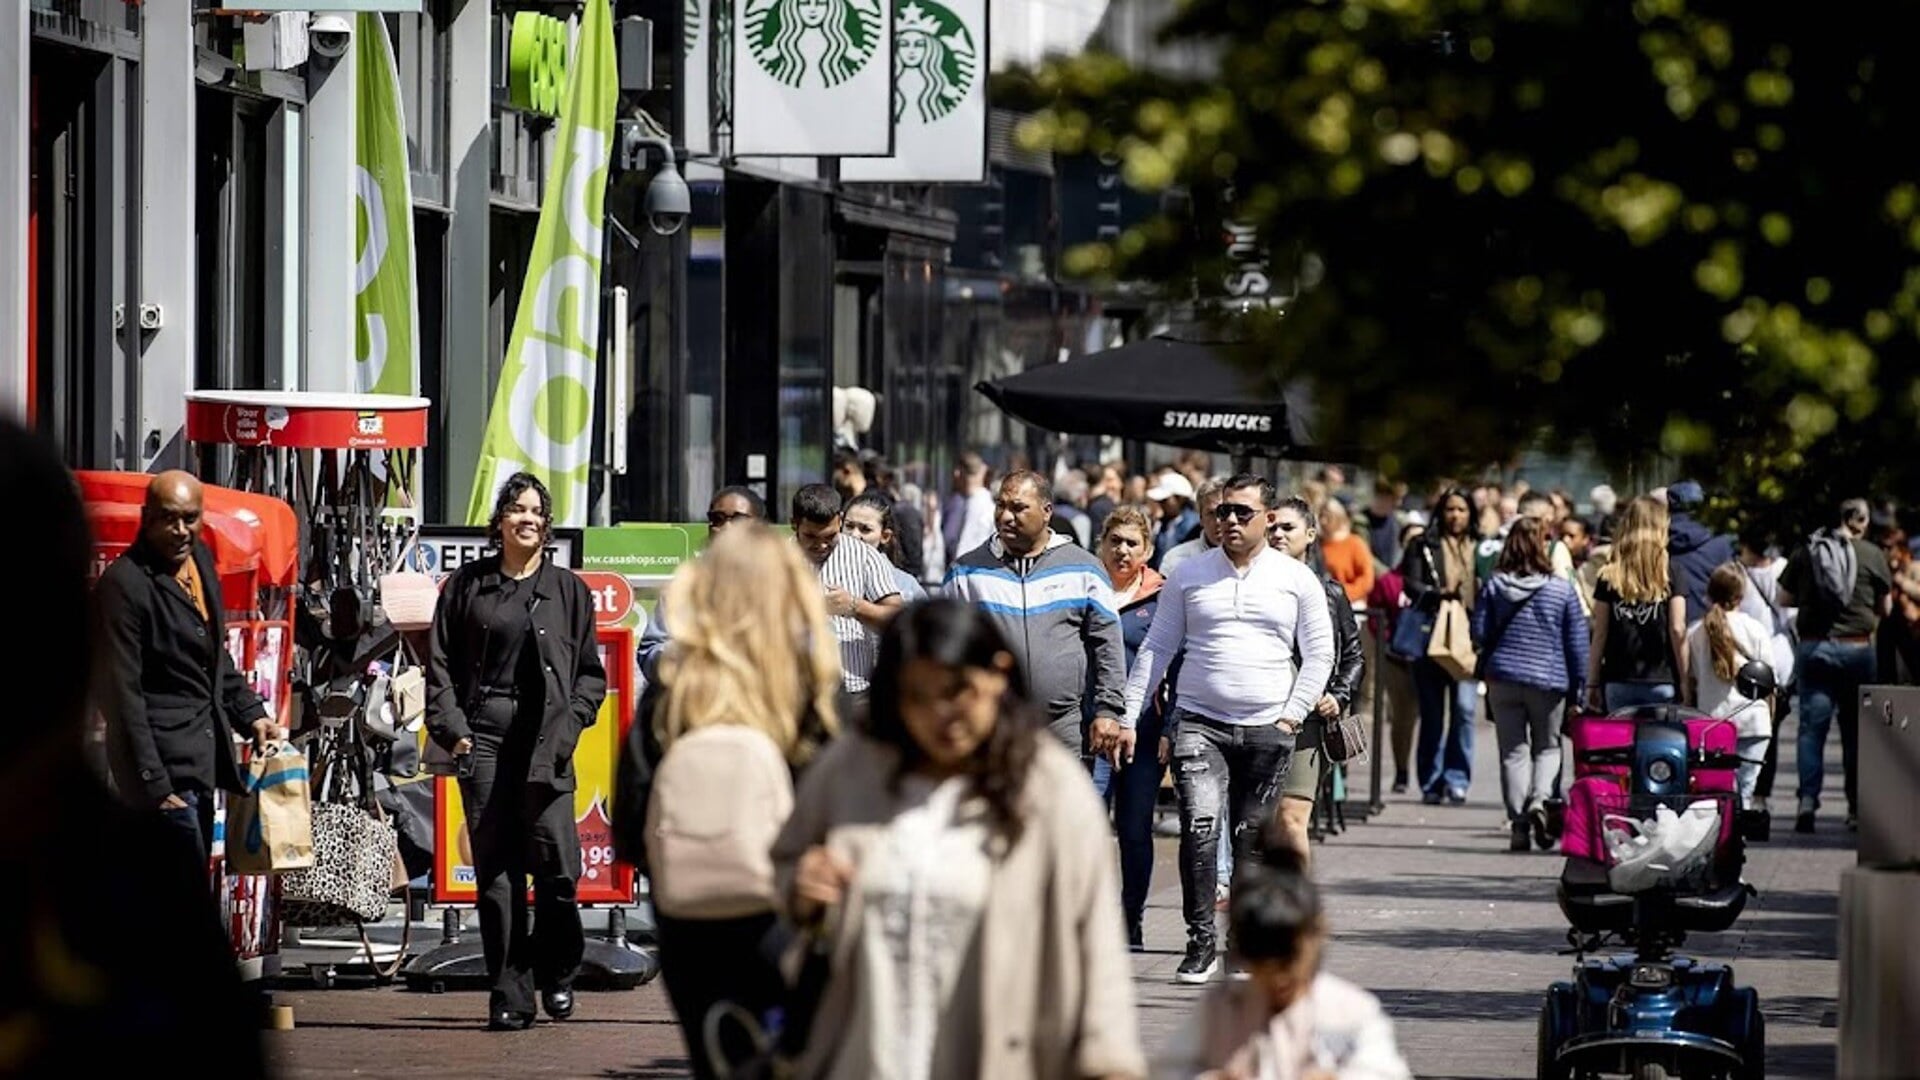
[329, 36]
[667, 203]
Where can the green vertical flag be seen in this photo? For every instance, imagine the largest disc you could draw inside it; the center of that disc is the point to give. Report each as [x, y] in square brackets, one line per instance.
[542, 417]
[388, 349]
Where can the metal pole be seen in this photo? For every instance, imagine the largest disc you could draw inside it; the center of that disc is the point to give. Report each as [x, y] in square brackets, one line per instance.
[1376, 620]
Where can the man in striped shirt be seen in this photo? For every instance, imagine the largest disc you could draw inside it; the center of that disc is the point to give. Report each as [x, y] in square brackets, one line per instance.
[861, 594]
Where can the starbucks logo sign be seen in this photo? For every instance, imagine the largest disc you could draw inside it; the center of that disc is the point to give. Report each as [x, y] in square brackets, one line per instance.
[938, 61]
[813, 42]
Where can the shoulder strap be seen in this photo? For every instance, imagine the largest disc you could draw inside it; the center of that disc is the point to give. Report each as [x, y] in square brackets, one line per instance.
[1500, 631]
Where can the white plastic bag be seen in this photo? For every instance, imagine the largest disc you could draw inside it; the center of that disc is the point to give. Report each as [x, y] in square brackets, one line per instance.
[1668, 849]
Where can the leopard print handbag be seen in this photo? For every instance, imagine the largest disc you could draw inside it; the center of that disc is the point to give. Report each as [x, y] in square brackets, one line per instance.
[351, 880]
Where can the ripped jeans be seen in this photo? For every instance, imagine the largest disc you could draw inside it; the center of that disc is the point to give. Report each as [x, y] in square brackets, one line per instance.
[1224, 774]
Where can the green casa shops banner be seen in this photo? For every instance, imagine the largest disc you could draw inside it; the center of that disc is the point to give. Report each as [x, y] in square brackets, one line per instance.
[542, 416]
[388, 350]
[645, 554]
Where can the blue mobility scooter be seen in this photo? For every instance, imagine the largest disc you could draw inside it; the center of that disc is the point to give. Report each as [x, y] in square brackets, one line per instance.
[1653, 1013]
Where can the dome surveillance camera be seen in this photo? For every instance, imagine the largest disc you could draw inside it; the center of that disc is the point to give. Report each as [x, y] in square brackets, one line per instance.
[667, 204]
[329, 36]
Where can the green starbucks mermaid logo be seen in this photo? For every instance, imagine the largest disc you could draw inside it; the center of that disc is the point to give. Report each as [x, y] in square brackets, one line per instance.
[813, 42]
[938, 61]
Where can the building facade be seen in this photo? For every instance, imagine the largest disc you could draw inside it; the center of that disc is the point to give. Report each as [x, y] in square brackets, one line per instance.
[176, 212]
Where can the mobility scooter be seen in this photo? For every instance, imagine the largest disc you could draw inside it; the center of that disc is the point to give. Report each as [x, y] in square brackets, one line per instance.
[1654, 851]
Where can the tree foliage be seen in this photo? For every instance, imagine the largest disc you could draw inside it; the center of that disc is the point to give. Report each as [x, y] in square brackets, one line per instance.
[1683, 226]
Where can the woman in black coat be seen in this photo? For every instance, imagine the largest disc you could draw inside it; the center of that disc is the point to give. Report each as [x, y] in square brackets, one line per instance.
[1296, 531]
[514, 677]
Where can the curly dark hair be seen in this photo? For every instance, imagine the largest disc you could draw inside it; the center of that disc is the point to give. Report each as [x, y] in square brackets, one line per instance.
[956, 634]
[509, 497]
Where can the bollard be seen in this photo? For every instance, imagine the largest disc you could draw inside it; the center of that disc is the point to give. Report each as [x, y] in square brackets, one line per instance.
[1376, 622]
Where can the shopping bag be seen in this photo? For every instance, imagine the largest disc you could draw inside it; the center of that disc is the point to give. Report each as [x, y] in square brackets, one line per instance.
[270, 828]
[1452, 643]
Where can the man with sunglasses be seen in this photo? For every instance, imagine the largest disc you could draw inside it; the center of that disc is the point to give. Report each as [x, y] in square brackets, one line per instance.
[1239, 612]
[730, 506]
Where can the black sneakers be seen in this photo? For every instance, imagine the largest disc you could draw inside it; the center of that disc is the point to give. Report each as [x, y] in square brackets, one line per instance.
[1202, 962]
[1136, 936]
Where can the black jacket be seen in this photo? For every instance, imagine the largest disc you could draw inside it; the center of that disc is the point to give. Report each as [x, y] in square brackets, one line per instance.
[574, 679]
[172, 691]
[1422, 570]
[1349, 660]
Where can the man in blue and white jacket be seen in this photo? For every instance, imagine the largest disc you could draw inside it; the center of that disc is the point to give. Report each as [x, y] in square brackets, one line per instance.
[1052, 601]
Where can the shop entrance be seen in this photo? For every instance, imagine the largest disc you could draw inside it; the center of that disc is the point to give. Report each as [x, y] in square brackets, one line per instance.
[77, 253]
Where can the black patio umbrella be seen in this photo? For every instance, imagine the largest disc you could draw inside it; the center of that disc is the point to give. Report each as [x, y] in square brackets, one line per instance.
[1164, 390]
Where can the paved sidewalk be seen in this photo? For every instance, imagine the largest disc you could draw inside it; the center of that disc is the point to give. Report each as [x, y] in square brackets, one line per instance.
[1458, 937]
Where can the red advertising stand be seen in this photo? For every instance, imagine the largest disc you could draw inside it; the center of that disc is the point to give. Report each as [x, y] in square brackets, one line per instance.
[255, 554]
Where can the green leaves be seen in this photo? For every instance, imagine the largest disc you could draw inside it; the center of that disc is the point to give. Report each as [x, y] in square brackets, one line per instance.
[1680, 227]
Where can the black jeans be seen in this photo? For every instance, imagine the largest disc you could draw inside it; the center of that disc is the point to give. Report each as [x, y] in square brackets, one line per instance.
[707, 961]
[520, 828]
[1222, 771]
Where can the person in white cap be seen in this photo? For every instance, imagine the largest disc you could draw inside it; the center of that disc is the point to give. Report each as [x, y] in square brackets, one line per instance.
[1179, 520]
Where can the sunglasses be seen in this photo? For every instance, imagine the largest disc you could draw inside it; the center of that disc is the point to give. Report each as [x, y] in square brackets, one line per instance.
[1235, 512]
[720, 521]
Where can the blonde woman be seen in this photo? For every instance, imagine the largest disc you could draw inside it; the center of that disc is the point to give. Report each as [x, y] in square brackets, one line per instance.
[1639, 654]
[751, 645]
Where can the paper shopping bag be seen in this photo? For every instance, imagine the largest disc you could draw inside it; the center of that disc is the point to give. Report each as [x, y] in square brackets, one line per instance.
[270, 828]
[1452, 643]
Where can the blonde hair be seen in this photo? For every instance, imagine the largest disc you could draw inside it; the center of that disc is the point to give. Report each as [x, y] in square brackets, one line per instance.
[750, 644]
[1638, 570]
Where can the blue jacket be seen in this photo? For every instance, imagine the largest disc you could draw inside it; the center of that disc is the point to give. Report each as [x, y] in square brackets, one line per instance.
[1693, 554]
[1544, 644]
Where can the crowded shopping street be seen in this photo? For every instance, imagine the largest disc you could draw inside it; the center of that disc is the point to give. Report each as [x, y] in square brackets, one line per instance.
[1452, 934]
[961, 539]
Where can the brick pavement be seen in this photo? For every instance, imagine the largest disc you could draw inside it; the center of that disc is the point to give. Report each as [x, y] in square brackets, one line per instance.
[1458, 937]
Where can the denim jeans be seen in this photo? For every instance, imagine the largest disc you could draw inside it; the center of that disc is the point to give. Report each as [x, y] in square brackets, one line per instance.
[1440, 771]
[195, 821]
[1831, 674]
[1632, 695]
[1222, 771]
[1133, 792]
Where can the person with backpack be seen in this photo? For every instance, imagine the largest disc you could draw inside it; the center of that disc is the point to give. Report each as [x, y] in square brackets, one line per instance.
[749, 692]
[961, 872]
[1532, 639]
[1842, 586]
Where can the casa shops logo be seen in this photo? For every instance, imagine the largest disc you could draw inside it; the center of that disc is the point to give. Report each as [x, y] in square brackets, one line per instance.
[938, 62]
[819, 42]
[1203, 421]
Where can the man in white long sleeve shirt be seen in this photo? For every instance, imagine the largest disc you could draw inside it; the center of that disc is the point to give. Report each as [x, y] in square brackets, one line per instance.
[1241, 613]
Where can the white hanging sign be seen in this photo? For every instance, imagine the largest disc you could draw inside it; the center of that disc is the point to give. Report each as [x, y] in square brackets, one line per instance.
[696, 45]
[939, 96]
[812, 78]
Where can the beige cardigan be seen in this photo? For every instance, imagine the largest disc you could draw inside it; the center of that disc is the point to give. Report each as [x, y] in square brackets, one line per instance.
[1056, 984]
